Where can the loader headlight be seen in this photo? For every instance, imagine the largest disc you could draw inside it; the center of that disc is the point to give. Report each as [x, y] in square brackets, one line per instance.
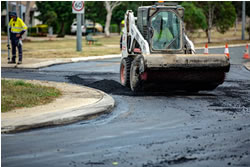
[141, 61]
[141, 68]
[180, 11]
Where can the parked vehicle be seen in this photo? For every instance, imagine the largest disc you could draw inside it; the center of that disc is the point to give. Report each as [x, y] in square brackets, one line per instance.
[74, 28]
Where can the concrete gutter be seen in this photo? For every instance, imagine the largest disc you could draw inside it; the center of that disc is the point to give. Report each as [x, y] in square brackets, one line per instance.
[76, 103]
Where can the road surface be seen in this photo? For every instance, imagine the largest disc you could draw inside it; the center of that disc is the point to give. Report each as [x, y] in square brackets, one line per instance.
[153, 129]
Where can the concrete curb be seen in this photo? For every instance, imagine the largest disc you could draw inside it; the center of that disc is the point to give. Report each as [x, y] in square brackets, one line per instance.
[213, 47]
[103, 104]
[48, 63]
[95, 58]
[247, 65]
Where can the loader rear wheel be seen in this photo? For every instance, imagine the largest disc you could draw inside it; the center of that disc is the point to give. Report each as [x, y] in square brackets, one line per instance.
[125, 71]
[135, 80]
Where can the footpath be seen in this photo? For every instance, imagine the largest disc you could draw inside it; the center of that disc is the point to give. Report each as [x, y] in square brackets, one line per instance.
[76, 103]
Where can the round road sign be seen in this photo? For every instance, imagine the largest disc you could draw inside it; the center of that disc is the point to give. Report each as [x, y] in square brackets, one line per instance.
[78, 7]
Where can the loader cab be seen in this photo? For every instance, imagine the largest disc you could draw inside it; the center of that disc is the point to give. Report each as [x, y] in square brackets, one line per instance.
[162, 27]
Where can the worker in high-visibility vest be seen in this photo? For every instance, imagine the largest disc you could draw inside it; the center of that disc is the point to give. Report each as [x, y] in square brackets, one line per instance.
[17, 28]
[122, 29]
[162, 36]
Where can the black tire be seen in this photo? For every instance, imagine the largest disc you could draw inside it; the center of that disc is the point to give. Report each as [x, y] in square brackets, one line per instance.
[135, 80]
[125, 71]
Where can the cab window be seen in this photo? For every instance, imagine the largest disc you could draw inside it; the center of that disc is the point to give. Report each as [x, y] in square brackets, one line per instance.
[166, 31]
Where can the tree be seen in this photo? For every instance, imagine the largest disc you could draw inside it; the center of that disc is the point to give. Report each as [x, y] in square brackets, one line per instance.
[110, 6]
[238, 7]
[51, 18]
[119, 12]
[194, 17]
[63, 9]
[219, 14]
[3, 5]
[93, 12]
[248, 14]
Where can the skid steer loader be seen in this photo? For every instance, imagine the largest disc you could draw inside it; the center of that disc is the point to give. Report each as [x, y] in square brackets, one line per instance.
[155, 49]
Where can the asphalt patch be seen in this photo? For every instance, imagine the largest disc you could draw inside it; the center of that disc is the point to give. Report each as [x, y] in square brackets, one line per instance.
[163, 163]
[105, 85]
[233, 99]
[113, 87]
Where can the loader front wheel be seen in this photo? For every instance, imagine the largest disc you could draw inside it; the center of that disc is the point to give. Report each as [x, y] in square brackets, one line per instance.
[135, 80]
[125, 71]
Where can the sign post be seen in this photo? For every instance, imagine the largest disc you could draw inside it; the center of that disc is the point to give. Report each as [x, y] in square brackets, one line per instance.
[243, 20]
[78, 9]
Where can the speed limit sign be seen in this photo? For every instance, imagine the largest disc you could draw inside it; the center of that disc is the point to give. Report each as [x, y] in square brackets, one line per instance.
[78, 7]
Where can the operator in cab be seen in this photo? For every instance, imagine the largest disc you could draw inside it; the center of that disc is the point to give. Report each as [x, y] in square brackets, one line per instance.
[162, 36]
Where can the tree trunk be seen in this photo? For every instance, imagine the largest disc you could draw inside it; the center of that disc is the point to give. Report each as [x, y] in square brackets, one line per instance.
[94, 28]
[235, 26]
[209, 35]
[61, 33]
[206, 33]
[210, 20]
[107, 24]
[109, 5]
[249, 29]
[27, 18]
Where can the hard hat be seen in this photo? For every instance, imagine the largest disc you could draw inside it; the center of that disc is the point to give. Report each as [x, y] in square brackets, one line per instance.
[13, 14]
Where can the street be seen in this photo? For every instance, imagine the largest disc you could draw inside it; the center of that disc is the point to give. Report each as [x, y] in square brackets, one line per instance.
[151, 129]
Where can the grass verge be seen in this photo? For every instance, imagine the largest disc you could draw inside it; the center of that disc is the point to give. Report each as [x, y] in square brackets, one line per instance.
[19, 94]
[66, 48]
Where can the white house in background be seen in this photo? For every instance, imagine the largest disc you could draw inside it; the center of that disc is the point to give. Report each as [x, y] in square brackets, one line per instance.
[22, 9]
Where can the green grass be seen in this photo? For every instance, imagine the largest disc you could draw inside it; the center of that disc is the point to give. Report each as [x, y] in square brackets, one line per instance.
[19, 94]
[66, 48]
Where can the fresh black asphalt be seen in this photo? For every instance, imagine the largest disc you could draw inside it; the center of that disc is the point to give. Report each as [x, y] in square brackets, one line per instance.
[152, 129]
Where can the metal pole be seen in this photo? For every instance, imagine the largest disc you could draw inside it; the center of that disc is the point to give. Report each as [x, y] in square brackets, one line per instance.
[21, 11]
[83, 22]
[79, 33]
[243, 20]
[8, 32]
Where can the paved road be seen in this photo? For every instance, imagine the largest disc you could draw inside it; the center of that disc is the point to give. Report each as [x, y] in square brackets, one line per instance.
[236, 53]
[150, 130]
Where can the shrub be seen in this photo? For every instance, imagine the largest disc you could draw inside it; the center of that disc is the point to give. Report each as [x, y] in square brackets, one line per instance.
[114, 28]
